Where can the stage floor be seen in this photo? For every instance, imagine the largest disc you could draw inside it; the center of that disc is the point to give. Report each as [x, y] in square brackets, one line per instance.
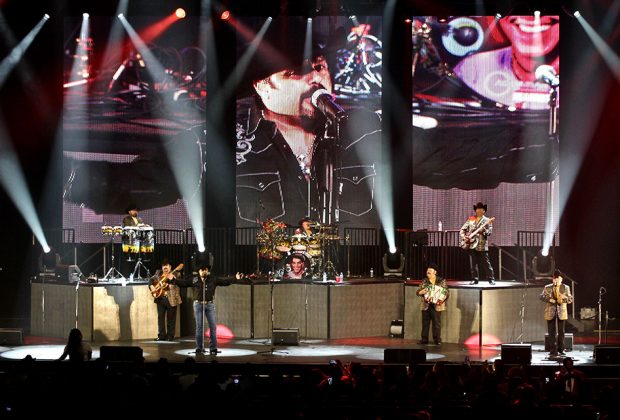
[366, 350]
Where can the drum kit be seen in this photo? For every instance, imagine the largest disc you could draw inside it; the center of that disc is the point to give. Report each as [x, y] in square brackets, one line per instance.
[135, 241]
[313, 248]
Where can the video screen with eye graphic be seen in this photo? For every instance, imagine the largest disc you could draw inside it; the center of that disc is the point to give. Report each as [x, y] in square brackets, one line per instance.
[485, 114]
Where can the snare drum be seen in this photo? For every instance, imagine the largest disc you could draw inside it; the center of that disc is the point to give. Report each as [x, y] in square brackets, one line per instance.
[146, 234]
[118, 230]
[130, 240]
[283, 245]
[107, 230]
[299, 242]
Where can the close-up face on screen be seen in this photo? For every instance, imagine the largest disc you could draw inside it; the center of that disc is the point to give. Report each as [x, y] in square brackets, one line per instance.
[485, 116]
[308, 124]
[132, 116]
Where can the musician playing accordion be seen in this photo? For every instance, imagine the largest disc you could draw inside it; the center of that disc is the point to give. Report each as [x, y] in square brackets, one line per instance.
[434, 292]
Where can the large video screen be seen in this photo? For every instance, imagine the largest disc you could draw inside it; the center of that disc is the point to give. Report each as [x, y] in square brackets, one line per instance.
[129, 103]
[309, 120]
[485, 101]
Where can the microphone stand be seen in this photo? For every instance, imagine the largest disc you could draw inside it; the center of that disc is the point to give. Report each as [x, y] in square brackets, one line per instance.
[202, 304]
[601, 292]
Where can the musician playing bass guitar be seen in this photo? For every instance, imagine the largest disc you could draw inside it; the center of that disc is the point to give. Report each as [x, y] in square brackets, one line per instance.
[474, 234]
[167, 296]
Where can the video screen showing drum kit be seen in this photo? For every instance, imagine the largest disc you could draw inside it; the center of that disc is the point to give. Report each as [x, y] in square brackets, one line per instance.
[316, 250]
[135, 241]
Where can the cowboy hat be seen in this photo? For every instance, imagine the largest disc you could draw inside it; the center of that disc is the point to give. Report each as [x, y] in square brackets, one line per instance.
[479, 205]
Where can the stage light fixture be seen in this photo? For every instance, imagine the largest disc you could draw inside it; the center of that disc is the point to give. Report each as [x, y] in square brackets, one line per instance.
[498, 16]
[225, 15]
[393, 264]
[577, 14]
[202, 258]
[543, 265]
[180, 13]
[48, 261]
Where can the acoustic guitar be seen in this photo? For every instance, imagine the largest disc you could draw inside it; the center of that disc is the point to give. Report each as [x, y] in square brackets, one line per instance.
[470, 241]
[160, 286]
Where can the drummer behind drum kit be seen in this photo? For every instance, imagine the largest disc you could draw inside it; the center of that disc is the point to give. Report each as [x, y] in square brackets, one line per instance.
[135, 240]
[314, 249]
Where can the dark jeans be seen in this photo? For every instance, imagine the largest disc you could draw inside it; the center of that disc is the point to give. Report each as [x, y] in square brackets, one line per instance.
[556, 344]
[428, 316]
[166, 319]
[479, 262]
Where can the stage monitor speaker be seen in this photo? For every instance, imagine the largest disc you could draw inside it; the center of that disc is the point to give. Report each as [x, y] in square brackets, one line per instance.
[520, 354]
[11, 337]
[285, 336]
[121, 353]
[397, 328]
[568, 342]
[606, 354]
[396, 355]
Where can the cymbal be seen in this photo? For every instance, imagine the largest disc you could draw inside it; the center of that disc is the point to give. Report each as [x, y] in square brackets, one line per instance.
[299, 236]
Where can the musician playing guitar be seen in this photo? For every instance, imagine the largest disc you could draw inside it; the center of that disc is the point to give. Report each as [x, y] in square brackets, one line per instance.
[474, 234]
[167, 296]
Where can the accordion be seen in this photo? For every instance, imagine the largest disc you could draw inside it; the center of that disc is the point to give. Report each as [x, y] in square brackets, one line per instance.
[435, 294]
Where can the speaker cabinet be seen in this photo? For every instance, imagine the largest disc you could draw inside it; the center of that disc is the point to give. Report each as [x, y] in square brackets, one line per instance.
[285, 337]
[568, 342]
[606, 354]
[397, 328]
[11, 337]
[404, 355]
[520, 354]
[121, 353]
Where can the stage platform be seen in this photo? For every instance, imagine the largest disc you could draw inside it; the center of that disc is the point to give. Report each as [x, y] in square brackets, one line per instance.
[364, 350]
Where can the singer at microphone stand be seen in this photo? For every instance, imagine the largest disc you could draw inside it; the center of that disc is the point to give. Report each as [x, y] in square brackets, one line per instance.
[557, 296]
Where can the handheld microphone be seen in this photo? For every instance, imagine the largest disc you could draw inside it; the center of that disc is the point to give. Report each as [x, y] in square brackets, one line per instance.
[324, 102]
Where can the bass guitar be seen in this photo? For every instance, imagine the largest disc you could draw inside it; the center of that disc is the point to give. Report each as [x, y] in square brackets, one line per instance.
[160, 286]
[470, 240]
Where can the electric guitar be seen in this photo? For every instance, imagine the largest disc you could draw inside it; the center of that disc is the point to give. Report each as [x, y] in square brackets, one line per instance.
[159, 287]
[470, 241]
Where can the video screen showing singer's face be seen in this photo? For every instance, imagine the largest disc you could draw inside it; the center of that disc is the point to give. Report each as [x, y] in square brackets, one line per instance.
[293, 160]
[481, 114]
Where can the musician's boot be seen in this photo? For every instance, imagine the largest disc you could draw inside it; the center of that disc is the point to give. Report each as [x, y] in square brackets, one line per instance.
[475, 281]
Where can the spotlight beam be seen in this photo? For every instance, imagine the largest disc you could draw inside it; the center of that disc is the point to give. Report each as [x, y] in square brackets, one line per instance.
[181, 154]
[16, 54]
[14, 183]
